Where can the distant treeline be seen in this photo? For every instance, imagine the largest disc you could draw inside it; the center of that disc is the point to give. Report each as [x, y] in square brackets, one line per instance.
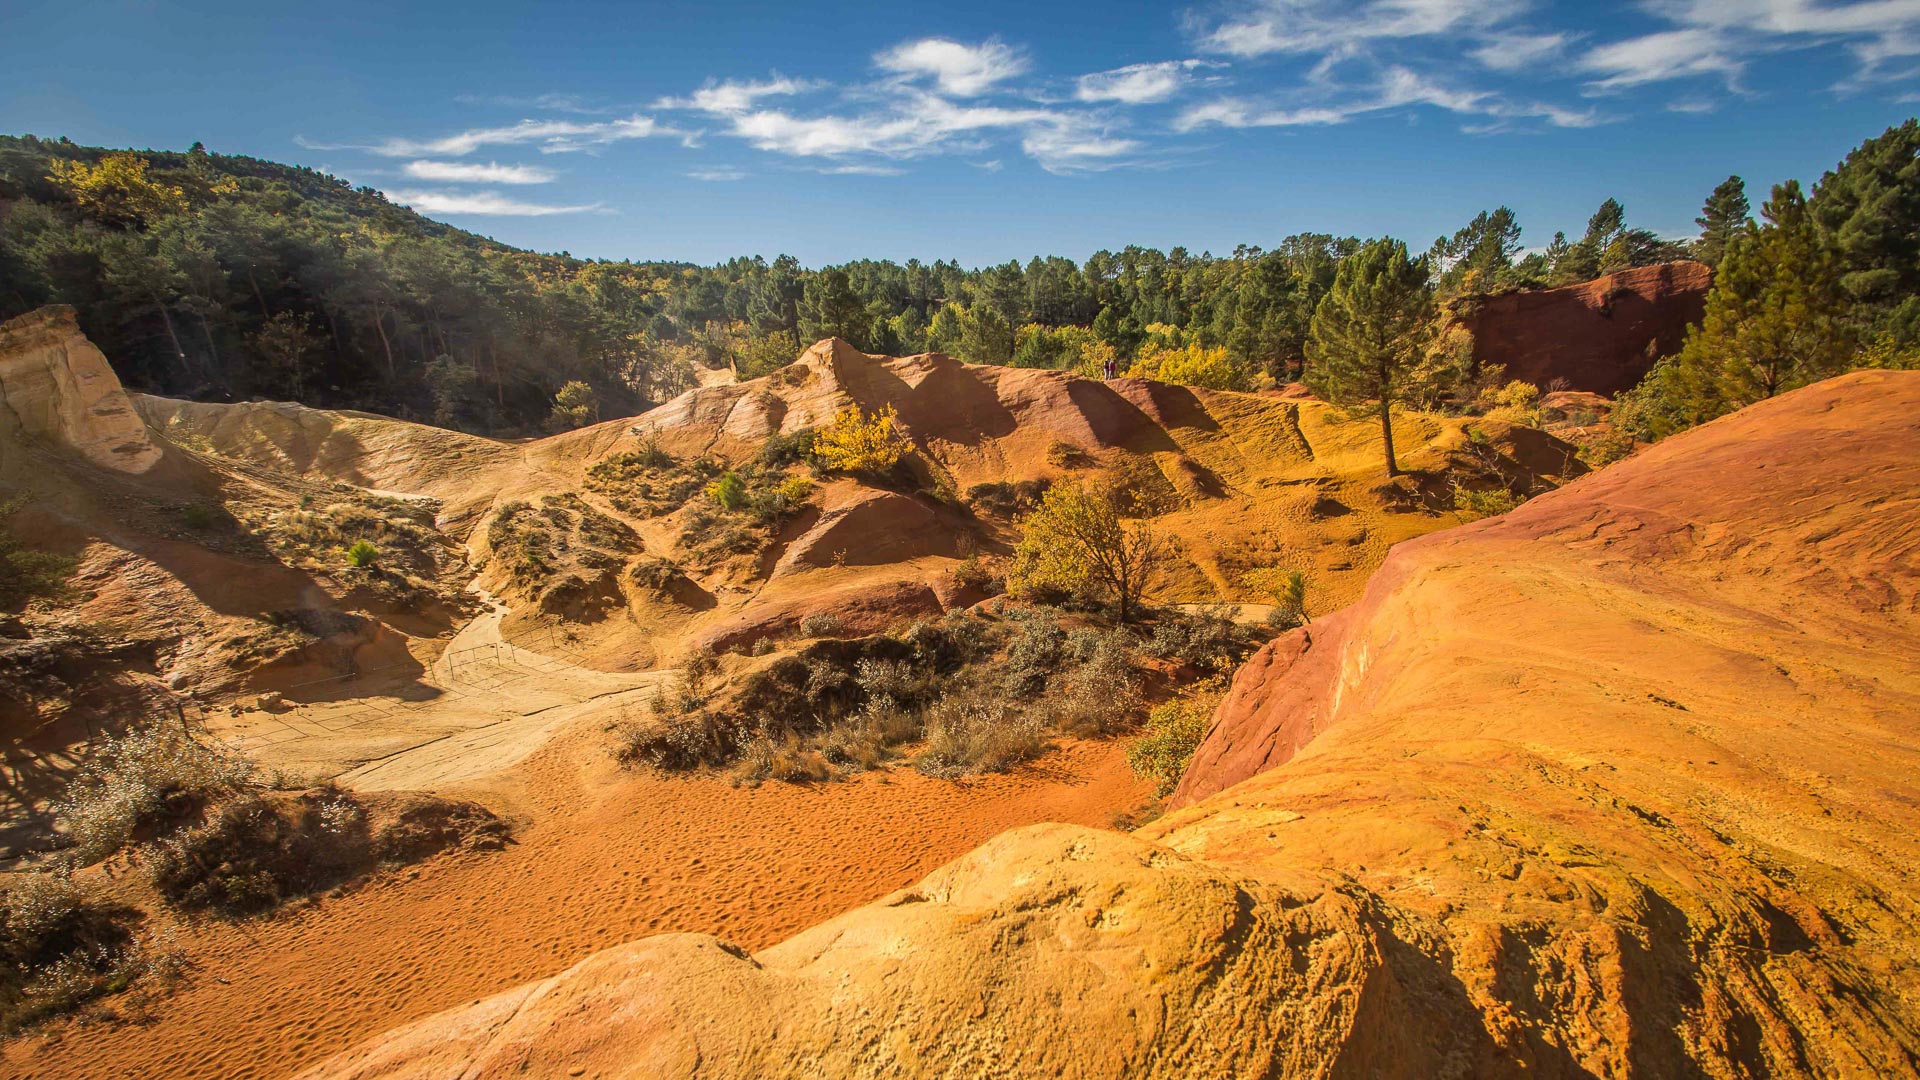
[225, 277]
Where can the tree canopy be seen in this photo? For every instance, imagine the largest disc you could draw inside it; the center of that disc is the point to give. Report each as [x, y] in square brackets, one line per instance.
[225, 277]
[1370, 332]
[1826, 283]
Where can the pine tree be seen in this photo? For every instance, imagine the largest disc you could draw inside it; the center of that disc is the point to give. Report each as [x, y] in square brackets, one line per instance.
[1472, 259]
[1722, 218]
[1869, 211]
[1776, 319]
[1370, 331]
[830, 308]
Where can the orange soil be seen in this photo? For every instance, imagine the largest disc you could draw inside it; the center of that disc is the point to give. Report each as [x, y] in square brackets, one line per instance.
[608, 857]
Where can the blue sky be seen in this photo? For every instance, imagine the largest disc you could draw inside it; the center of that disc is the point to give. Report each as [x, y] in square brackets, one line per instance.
[984, 131]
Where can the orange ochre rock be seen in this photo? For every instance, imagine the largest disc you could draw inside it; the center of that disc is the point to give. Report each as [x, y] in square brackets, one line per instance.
[1619, 784]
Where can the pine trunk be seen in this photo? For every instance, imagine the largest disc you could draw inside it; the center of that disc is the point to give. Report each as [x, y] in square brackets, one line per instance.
[1386, 434]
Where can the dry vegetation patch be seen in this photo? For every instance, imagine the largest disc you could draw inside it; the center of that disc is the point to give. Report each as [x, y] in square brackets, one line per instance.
[959, 695]
[207, 836]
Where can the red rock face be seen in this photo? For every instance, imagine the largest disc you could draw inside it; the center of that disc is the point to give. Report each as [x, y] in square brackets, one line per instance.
[1601, 335]
[1277, 704]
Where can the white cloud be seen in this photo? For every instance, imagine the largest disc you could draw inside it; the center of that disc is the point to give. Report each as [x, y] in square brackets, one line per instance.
[861, 170]
[551, 136]
[567, 103]
[472, 172]
[1071, 147]
[1307, 26]
[480, 202]
[1397, 87]
[725, 98]
[1240, 113]
[1719, 37]
[717, 176]
[915, 123]
[1692, 106]
[1520, 51]
[919, 123]
[958, 69]
[1657, 57]
[1136, 84]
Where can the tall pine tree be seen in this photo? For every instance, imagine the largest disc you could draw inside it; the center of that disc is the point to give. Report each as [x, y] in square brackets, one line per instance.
[1776, 319]
[1369, 332]
[1724, 216]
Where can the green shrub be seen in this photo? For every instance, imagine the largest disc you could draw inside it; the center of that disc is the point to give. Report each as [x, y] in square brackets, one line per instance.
[655, 575]
[362, 555]
[649, 455]
[1174, 731]
[1004, 499]
[783, 450]
[785, 758]
[26, 574]
[1482, 504]
[198, 516]
[1098, 692]
[729, 491]
[1068, 456]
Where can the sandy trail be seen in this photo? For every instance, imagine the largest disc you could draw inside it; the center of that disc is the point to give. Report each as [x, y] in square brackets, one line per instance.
[600, 856]
[482, 706]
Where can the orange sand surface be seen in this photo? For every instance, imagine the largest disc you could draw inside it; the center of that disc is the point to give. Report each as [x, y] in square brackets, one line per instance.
[600, 857]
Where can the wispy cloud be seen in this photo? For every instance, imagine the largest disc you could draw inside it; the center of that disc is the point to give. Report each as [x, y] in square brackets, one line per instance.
[1137, 84]
[1318, 26]
[718, 176]
[918, 124]
[474, 173]
[1398, 87]
[956, 68]
[1724, 35]
[862, 170]
[1520, 51]
[727, 97]
[915, 123]
[481, 202]
[549, 136]
[1669, 54]
[567, 103]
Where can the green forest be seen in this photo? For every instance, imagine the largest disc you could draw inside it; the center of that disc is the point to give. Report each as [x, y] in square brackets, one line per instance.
[226, 278]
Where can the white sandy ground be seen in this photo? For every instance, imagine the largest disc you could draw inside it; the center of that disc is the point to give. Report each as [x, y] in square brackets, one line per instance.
[482, 707]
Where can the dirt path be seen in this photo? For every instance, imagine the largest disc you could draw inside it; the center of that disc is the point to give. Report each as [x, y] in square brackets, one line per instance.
[609, 856]
[484, 705]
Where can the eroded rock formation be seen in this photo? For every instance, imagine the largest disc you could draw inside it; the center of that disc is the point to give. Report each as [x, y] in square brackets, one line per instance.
[1617, 784]
[56, 388]
[1601, 335]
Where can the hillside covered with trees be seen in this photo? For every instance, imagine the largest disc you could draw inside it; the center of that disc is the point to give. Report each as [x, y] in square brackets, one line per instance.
[226, 277]
[223, 278]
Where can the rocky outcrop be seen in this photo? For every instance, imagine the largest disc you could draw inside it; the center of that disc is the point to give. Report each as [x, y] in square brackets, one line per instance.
[1620, 783]
[870, 528]
[1602, 335]
[57, 389]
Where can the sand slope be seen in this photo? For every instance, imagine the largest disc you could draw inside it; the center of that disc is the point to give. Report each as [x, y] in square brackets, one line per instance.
[1621, 784]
